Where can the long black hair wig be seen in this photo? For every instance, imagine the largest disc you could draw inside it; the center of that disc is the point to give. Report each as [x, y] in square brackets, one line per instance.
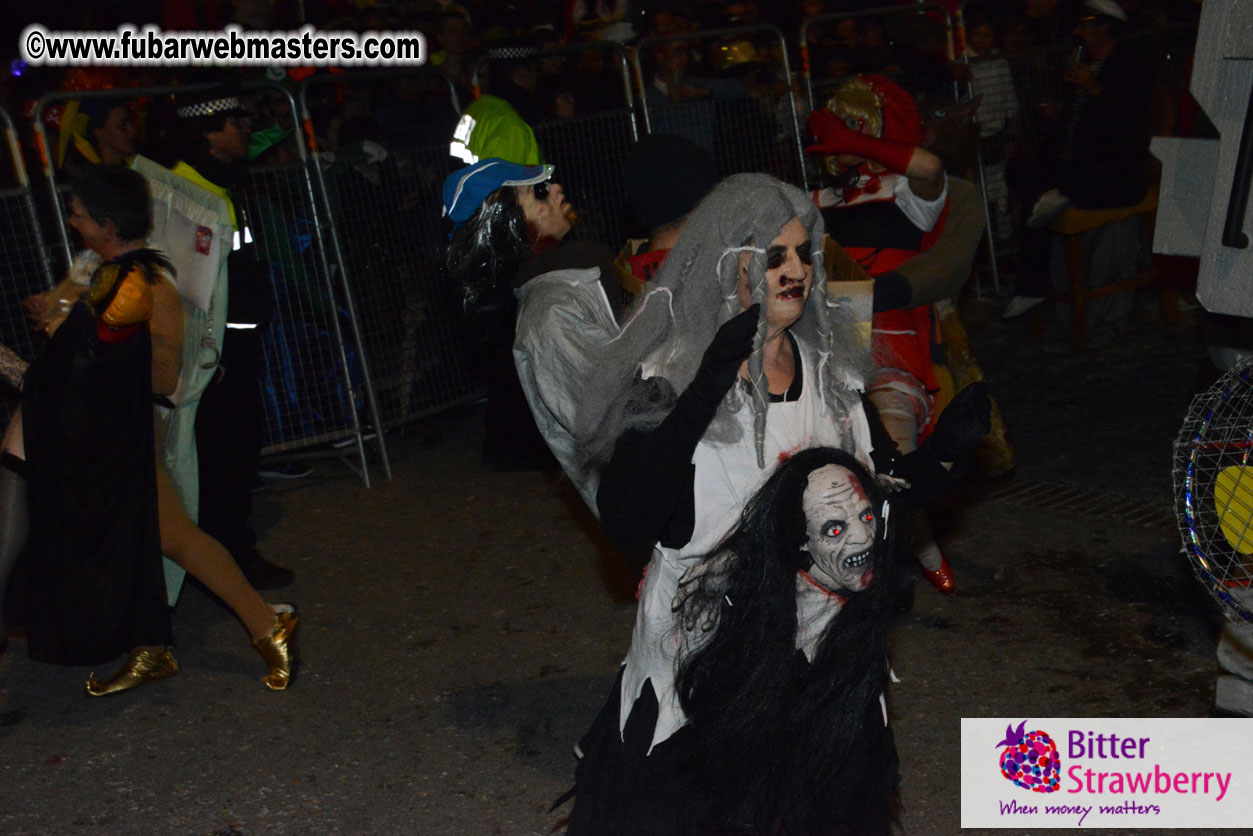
[483, 255]
[779, 743]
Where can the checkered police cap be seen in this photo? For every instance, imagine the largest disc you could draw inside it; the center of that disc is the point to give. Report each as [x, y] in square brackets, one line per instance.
[229, 105]
[219, 100]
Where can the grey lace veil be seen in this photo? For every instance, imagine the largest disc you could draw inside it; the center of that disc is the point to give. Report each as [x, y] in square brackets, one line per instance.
[673, 322]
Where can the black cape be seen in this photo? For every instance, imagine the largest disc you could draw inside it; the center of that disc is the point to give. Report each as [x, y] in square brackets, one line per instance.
[96, 584]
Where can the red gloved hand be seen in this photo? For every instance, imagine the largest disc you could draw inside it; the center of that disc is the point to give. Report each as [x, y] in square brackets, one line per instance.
[835, 137]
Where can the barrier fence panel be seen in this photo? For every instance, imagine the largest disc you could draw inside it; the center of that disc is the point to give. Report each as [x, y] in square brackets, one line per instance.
[310, 390]
[997, 116]
[729, 91]
[585, 126]
[588, 153]
[338, 383]
[384, 208]
[24, 265]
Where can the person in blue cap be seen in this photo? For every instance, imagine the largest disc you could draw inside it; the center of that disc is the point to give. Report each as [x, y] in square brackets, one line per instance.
[496, 227]
[511, 224]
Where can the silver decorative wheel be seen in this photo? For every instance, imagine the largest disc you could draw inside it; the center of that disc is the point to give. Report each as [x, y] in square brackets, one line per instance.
[1213, 476]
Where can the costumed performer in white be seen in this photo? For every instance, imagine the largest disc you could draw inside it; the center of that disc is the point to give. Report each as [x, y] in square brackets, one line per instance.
[733, 362]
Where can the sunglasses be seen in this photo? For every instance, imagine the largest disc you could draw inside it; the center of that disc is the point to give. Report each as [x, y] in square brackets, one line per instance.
[540, 190]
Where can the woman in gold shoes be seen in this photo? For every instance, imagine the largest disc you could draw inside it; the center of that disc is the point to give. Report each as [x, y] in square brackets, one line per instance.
[102, 507]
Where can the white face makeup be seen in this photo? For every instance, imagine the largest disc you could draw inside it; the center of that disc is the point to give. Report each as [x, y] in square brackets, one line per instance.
[840, 529]
[789, 274]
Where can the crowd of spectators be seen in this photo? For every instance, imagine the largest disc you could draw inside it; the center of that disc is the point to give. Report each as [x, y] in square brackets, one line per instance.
[493, 44]
[536, 56]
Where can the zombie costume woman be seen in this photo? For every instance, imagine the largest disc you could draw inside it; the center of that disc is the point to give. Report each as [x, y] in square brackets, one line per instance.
[682, 441]
[511, 226]
[683, 430]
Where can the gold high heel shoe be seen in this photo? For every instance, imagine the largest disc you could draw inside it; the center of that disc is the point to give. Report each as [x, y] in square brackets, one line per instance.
[278, 649]
[144, 665]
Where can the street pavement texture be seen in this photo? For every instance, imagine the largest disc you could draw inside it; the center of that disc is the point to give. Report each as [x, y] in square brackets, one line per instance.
[461, 628]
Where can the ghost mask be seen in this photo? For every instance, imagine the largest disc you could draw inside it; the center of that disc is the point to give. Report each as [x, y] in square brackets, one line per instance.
[840, 528]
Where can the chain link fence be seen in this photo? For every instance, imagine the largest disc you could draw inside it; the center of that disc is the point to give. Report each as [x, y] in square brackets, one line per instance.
[24, 265]
[316, 387]
[382, 193]
[730, 91]
[584, 123]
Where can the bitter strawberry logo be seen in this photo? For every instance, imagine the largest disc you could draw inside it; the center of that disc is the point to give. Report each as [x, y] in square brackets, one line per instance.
[1030, 759]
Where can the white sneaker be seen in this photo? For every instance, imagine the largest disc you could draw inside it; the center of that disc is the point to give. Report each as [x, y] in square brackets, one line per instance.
[1019, 305]
[1051, 204]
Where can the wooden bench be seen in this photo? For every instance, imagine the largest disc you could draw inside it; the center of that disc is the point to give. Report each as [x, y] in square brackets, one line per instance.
[1071, 225]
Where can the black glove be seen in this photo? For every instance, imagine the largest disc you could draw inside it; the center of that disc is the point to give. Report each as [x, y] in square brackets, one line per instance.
[892, 292]
[966, 419]
[721, 363]
[657, 464]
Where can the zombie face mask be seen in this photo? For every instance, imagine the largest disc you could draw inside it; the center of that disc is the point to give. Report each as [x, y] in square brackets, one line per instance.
[840, 529]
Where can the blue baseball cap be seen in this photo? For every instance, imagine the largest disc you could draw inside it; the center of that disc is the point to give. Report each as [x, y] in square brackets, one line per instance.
[467, 188]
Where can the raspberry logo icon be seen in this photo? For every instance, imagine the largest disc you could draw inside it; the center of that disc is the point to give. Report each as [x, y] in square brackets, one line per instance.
[1030, 759]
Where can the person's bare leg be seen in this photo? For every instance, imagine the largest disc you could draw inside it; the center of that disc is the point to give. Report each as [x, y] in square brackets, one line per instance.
[207, 560]
[14, 442]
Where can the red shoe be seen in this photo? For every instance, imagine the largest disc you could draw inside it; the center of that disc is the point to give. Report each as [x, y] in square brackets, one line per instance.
[942, 578]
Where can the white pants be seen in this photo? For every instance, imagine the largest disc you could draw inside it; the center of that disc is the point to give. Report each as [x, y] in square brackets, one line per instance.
[1234, 691]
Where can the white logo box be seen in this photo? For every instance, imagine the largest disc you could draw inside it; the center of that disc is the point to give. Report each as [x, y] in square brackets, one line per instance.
[1136, 773]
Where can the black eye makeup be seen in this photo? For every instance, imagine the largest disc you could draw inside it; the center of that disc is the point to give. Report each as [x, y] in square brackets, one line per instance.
[540, 190]
[776, 255]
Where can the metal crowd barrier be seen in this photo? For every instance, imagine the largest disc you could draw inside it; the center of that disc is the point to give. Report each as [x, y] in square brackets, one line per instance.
[588, 152]
[387, 237]
[367, 337]
[746, 125]
[317, 383]
[589, 147]
[24, 265]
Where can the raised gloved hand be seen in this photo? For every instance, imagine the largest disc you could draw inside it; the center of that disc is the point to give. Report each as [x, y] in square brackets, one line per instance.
[721, 363]
[966, 419]
[835, 137]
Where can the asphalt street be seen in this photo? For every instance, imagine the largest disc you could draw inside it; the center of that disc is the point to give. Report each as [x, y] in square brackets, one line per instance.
[461, 628]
